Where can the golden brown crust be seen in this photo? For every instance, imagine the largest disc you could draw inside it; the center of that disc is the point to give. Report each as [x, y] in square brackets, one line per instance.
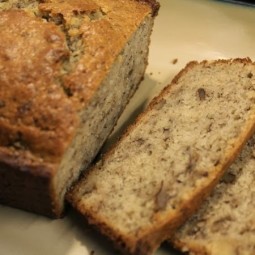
[101, 40]
[190, 248]
[36, 114]
[206, 62]
[40, 98]
[33, 105]
[154, 5]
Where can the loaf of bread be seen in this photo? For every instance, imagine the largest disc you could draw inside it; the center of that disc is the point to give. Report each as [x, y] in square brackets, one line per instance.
[225, 224]
[170, 159]
[67, 70]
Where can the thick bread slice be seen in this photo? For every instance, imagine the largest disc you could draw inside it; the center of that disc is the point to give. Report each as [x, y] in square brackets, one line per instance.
[67, 70]
[172, 157]
[225, 224]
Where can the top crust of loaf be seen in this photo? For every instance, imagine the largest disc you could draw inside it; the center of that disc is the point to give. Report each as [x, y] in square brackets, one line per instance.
[154, 5]
[166, 163]
[54, 56]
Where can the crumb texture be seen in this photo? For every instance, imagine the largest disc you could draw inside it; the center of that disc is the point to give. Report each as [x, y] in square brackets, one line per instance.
[226, 222]
[176, 149]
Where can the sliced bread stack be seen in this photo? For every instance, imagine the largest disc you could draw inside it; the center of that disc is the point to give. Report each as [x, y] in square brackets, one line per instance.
[172, 157]
[225, 224]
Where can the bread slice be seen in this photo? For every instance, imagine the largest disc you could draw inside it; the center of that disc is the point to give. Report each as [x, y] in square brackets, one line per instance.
[68, 68]
[172, 157]
[225, 224]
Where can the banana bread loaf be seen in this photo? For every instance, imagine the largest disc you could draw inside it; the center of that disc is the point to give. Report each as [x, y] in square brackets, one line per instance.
[225, 224]
[67, 70]
[170, 159]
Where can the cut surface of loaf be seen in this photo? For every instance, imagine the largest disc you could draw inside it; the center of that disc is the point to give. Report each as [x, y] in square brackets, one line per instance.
[225, 224]
[67, 70]
[172, 157]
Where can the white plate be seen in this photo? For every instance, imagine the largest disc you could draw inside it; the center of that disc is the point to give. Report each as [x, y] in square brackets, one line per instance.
[184, 30]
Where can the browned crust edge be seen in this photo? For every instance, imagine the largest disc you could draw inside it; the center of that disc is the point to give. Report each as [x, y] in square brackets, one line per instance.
[189, 247]
[19, 188]
[153, 4]
[205, 62]
[152, 238]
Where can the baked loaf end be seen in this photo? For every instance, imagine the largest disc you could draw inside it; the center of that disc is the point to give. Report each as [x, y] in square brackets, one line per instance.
[225, 224]
[67, 70]
[172, 157]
